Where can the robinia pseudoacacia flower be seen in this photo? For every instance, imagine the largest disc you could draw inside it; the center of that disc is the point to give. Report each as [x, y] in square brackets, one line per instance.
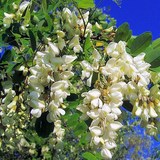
[76, 60]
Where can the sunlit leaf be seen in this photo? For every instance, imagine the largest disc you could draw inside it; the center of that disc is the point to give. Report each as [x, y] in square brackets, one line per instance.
[89, 156]
[140, 43]
[123, 33]
[85, 4]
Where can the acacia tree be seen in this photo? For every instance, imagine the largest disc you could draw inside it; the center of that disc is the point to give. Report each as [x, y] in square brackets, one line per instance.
[66, 77]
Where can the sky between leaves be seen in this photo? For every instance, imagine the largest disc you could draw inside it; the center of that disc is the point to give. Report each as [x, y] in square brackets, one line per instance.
[142, 15]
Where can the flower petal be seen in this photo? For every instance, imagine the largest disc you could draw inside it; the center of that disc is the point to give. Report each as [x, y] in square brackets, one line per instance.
[106, 153]
[115, 125]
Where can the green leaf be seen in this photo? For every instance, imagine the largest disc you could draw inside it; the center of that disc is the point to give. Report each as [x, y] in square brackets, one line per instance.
[156, 43]
[123, 33]
[88, 46]
[44, 5]
[89, 156]
[153, 54]
[80, 128]
[98, 156]
[74, 104]
[153, 57]
[157, 69]
[140, 43]
[73, 120]
[130, 41]
[27, 17]
[102, 17]
[32, 40]
[85, 4]
[10, 67]
[85, 138]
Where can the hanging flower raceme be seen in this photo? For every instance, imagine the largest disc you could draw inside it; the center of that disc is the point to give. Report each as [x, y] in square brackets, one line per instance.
[49, 82]
[104, 125]
[122, 78]
[76, 25]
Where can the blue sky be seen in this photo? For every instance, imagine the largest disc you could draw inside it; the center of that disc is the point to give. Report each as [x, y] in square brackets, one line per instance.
[142, 15]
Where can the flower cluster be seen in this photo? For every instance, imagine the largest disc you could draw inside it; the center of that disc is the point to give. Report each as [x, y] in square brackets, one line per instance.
[50, 76]
[121, 78]
[49, 82]
[75, 25]
[10, 17]
[14, 118]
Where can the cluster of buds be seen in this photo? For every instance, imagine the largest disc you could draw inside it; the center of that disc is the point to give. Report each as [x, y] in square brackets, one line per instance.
[14, 117]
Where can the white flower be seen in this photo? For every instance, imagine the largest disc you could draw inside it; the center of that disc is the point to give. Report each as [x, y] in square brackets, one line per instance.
[88, 30]
[96, 55]
[54, 111]
[61, 43]
[87, 72]
[37, 103]
[60, 33]
[36, 112]
[152, 112]
[151, 129]
[110, 144]
[138, 111]
[74, 43]
[115, 49]
[8, 19]
[66, 13]
[96, 103]
[23, 6]
[34, 95]
[131, 92]
[106, 153]
[96, 140]
[63, 84]
[112, 70]
[95, 131]
[60, 94]
[115, 125]
[98, 26]
[93, 114]
[141, 65]
[34, 83]
[66, 75]
[58, 130]
[115, 95]
[9, 97]
[53, 49]
[145, 114]
[92, 94]
[86, 16]
[69, 58]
